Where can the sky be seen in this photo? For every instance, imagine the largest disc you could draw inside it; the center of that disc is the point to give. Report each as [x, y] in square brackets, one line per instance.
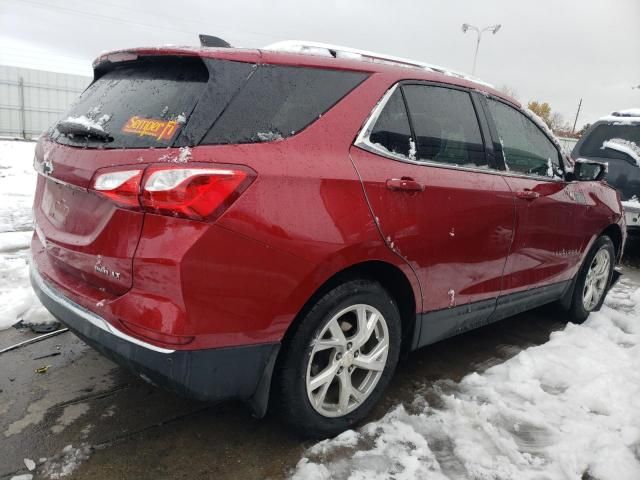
[555, 51]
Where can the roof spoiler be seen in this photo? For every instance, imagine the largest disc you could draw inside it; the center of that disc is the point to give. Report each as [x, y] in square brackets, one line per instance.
[211, 41]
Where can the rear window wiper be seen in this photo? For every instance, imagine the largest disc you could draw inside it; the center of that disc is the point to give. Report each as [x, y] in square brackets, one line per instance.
[83, 127]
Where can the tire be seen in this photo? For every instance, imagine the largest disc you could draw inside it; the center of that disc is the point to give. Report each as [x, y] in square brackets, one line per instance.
[316, 355]
[581, 308]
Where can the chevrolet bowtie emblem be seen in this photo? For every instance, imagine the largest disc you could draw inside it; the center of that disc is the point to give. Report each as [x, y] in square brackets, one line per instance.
[47, 167]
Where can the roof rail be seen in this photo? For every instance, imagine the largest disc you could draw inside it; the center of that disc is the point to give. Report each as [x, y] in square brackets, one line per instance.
[337, 51]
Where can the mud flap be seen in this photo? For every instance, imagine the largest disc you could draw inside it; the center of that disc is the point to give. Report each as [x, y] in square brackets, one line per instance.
[259, 401]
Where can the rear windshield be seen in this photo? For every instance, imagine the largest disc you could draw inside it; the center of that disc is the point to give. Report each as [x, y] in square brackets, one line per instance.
[184, 101]
[592, 145]
[145, 104]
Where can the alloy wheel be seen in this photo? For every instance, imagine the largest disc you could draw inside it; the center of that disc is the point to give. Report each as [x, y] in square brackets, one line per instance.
[595, 283]
[347, 360]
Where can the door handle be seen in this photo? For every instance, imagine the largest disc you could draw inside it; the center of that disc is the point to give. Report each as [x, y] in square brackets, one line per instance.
[406, 184]
[527, 194]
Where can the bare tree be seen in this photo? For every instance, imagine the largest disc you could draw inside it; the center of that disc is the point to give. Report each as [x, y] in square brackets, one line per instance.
[509, 91]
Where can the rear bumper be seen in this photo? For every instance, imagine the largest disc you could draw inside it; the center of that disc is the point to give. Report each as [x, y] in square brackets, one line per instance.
[210, 375]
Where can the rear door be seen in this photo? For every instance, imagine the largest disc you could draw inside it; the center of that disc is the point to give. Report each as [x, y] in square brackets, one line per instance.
[437, 196]
[550, 212]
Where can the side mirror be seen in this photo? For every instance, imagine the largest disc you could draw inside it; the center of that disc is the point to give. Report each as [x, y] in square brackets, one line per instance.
[588, 171]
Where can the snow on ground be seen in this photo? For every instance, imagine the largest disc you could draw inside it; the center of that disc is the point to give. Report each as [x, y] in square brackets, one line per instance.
[17, 183]
[67, 462]
[567, 409]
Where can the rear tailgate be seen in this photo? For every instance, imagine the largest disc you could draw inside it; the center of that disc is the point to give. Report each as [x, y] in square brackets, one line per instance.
[84, 234]
[130, 116]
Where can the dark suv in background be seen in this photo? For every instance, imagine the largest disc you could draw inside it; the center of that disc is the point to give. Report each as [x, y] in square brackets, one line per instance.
[615, 140]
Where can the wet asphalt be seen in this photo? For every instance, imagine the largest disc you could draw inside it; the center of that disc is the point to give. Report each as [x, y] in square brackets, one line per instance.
[126, 428]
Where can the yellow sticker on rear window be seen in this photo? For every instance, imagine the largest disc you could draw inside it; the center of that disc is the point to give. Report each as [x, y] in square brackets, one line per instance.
[151, 127]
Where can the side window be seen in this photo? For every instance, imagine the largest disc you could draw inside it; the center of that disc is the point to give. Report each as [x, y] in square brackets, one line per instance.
[391, 131]
[278, 101]
[525, 148]
[445, 125]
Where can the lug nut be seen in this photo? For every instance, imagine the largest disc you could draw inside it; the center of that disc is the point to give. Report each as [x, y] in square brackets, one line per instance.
[356, 353]
[351, 368]
[338, 356]
[340, 370]
[349, 345]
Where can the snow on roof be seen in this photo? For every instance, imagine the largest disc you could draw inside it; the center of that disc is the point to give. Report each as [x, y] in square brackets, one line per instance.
[629, 112]
[338, 51]
[624, 146]
[632, 205]
[623, 117]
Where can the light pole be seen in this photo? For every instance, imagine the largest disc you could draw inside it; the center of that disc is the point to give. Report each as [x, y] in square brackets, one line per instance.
[493, 29]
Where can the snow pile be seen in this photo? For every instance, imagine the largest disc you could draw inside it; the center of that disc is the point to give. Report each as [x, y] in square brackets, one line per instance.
[17, 184]
[183, 156]
[624, 146]
[567, 409]
[412, 149]
[69, 460]
[269, 136]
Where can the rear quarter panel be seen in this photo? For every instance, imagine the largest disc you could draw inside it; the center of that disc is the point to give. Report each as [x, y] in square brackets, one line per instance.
[303, 219]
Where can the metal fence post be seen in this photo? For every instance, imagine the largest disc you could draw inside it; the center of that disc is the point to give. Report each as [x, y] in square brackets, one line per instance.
[23, 122]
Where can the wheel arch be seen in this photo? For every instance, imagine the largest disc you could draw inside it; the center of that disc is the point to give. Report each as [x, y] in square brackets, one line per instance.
[391, 277]
[614, 232]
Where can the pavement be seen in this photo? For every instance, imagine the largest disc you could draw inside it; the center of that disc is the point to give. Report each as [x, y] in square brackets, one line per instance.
[87, 418]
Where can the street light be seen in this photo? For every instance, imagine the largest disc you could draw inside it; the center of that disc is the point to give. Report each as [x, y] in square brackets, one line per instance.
[493, 29]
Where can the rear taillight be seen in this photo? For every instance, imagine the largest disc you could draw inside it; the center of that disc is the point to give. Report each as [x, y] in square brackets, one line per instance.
[197, 192]
[121, 186]
[190, 192]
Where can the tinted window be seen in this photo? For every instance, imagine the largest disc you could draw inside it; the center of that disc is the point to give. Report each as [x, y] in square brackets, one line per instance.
[445, 125]
[592, 145]
[526, 149]
[392, 131]
[141, 104]
[279, 101]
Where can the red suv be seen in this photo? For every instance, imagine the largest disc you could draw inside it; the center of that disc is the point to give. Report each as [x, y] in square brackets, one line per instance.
[259, 224]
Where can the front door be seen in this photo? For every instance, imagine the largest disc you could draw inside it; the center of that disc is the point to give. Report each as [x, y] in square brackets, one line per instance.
[549, 240]
[438, 202]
